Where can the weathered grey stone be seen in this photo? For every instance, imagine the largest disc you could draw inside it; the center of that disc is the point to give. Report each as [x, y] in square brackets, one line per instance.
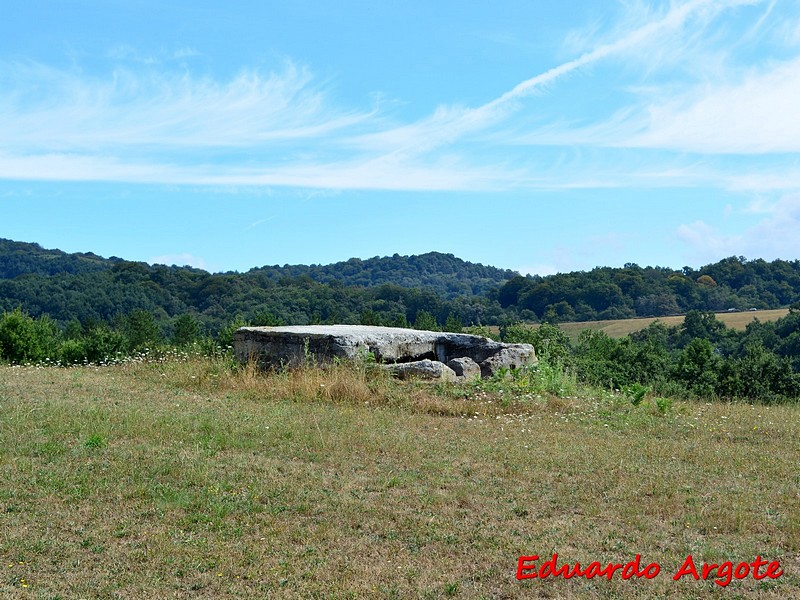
[422, 369]
[465, 367]
[512, 356]
[294, 346]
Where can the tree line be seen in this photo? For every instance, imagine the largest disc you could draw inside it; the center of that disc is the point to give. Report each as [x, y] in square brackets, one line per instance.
[699, 358]
[381, 291]
[634, 291]
[82, 307]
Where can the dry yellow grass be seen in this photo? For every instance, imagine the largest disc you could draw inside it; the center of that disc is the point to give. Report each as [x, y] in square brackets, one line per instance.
[189, 480]
[618, 328]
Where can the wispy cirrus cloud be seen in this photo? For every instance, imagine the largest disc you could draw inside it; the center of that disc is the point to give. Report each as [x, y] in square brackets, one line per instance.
[284, 128]
[56, 110]
[759, 114]
[450, 123]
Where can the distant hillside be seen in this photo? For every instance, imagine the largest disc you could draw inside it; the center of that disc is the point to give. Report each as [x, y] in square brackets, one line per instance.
[393, 290]
[619, 328]
[634, 291]
[20, 258]
[444, 273]
[390, 290]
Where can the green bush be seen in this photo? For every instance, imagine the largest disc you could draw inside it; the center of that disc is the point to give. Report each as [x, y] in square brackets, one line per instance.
[103, 343]
[225, 335]
[425, 321]
[73, 351]
[25, 339]
[663, 405]
[549, 341]
[453, 324]
[636, 393]
[141, 330]
[698, 367]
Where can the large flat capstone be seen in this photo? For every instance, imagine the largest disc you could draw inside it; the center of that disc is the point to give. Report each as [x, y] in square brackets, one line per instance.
[294, 346]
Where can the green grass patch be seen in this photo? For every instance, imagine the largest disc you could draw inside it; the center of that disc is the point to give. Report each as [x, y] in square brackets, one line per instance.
[195, 479]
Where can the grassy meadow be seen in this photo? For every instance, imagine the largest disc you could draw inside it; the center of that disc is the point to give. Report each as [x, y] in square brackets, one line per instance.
[189, 478]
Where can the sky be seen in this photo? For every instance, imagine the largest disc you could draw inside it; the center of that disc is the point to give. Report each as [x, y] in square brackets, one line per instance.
[532, 135]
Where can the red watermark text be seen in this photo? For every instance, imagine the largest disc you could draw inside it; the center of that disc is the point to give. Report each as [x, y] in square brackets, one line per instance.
[530, 567]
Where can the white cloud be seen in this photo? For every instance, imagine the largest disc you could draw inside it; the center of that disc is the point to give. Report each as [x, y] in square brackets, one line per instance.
[283, 129]
[185, 52]
[538, 269]
[260, 222]
[774, 236]
[181, 259]
[450, 123]
[760, 114]
[152, 109]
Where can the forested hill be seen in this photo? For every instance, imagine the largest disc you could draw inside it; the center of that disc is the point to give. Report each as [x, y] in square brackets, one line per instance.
[443, 273]
[390, 290]
[21, 258]
[429, 289]
[634, 291]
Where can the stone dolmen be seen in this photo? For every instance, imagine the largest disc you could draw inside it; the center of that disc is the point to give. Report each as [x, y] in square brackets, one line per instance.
[406, 352]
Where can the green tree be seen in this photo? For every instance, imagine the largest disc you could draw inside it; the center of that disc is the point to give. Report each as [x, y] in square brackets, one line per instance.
[549, 341]
[596, 360]
[186, 330]
[141, 329]
[702, 324]
[758, 375]
[399, 321]
[225, 335]
[698, 367]
[369, 317]
[453, 324]
[560, 312]
[265, 318]
[425, 321]
[101, 343]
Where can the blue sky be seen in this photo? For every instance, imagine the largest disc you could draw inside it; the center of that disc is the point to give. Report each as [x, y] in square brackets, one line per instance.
[532, 135]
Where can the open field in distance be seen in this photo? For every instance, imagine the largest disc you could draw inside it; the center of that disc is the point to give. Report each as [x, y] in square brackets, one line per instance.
[188, 479]
[617, 328]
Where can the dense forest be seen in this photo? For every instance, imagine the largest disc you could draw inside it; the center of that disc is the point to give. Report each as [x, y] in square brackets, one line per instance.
[77, 308]
[700, 358]
[89, 288]
[634, 291]
[389, 290]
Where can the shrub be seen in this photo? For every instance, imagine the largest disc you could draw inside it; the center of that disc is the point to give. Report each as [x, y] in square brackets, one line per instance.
[73, 351]
[453, 324]
[225, 335]
[103, 342]
[23, 338]
[549, 341]
[663, 405]
[636, 393]
[698, 367]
